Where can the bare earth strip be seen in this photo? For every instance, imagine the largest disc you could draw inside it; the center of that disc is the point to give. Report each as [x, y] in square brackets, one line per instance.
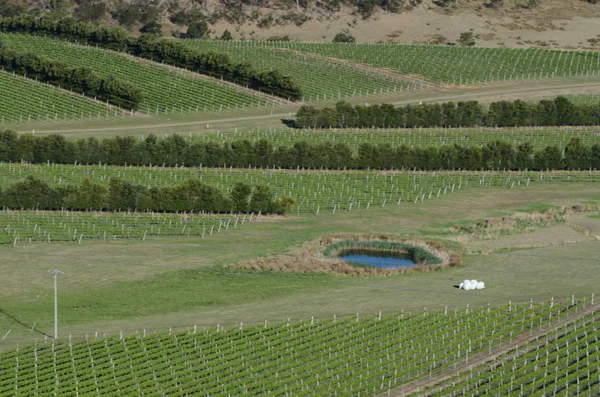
[484, 358]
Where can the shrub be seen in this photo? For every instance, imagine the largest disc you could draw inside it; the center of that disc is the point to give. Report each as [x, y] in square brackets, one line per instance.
[344, 37]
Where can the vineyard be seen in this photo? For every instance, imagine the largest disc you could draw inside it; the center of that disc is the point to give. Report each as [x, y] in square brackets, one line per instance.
[539, 137]
[313, 191]
[562, 362]
[319, 78]
[351, 356]
[43, 102]
[165, 91]
[458, 65]
[184, 237]
[55, 226]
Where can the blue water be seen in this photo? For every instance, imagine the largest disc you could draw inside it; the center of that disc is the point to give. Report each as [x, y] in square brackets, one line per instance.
[378, 261]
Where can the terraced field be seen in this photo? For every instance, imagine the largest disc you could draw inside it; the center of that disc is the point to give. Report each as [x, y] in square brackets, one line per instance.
[23, 99]
[165, 91]
[354, 356]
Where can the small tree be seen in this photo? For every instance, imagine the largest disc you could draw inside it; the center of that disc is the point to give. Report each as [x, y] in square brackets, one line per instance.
[444, 3]
[240, 197]
[152, 28]
[226, 35]
[344, 37]
[197, 30]
[467, 39]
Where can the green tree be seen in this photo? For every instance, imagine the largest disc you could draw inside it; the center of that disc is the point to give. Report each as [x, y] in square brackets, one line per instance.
[240, 197]
[343, 37]
[226, 35]
[261, 200]
[467, 39]
[577, 155]
[197, 30]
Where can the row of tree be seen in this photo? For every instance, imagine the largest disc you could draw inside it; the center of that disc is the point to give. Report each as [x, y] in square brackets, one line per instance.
[175, 150]
[82, 80]
[120, 195]
[559, 111]
[158, 49]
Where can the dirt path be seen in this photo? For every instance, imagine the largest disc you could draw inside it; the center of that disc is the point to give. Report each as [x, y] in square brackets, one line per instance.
[484, 358]
[480, 93]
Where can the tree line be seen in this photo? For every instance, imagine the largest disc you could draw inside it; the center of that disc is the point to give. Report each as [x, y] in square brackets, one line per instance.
[190, 196]
[559, 111]
[82, 80]
[176, 150]
[158, 49]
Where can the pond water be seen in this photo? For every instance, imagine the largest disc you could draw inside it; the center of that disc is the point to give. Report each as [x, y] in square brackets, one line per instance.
[378, 261]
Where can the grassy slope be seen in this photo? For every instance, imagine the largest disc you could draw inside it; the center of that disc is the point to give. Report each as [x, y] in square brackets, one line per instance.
[134, 285]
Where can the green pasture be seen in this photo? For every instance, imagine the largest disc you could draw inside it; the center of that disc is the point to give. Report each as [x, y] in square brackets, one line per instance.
[161, 282]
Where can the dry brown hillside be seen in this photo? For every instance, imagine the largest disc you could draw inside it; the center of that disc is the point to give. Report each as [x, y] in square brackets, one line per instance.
[551, 24]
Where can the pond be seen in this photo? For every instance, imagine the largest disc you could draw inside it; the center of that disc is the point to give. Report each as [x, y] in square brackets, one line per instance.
[384, 261]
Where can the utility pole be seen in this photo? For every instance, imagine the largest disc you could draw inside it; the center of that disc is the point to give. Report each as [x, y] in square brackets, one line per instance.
[55, 273]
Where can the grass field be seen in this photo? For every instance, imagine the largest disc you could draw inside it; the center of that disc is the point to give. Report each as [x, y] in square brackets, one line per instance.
[128, 285]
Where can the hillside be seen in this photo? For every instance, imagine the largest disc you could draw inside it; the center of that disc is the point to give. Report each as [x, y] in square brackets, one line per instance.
[565, 24]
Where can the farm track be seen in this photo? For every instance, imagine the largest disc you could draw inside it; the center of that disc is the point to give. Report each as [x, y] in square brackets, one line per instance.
[482, 93]
[417, 386]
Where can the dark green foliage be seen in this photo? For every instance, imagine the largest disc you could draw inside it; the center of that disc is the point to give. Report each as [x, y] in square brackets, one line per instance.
[155, 48]
[197, 30]
[82, 80]
[11, 8]
[240, 197]
[152, 28]
[90, 10]
[343, 37]
[226, 35]
[560, 111]
[175, 150]
[192, 195]
[467, 39]
[577, 155]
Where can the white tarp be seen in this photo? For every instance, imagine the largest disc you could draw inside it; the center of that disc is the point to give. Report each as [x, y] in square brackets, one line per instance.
[468, 285]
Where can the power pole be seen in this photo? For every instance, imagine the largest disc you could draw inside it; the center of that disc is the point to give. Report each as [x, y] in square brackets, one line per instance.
[55, 273]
